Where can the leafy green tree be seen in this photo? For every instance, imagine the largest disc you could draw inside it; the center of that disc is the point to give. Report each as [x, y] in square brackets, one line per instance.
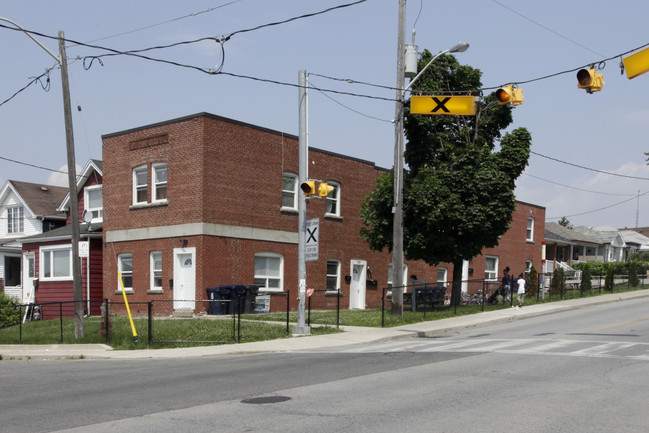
[532, 288]
[586, 281]
[634, 281]
[565, 222]
[459, 186]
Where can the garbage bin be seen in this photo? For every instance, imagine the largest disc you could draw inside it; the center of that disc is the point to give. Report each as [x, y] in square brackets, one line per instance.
[220, 300]
[226, 299]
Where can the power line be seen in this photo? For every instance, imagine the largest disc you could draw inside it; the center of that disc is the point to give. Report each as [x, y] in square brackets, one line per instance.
[32, 165]
[588, 168]
[600, 209]
[580, 189]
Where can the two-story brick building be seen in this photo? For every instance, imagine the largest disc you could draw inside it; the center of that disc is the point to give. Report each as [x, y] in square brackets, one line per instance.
[203, 201]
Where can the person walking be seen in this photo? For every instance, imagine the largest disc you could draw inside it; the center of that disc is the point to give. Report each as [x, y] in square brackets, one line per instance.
[521, 290]
[506, 284]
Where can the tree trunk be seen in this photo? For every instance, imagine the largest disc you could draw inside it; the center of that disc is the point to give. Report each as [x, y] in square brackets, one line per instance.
[456, 287]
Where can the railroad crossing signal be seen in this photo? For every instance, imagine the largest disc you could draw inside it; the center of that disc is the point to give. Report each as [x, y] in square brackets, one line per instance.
[449, 105]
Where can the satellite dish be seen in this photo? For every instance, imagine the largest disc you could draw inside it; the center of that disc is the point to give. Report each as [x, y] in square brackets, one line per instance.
[86, 216]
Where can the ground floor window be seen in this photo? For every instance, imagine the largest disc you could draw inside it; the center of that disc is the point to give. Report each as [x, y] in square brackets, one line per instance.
[12, 271]
[269, 271]
[156, 271]
[125, 268]
[491, 268]
[333, 275]
[56, 263]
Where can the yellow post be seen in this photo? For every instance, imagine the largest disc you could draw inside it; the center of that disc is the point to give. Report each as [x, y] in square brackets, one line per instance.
[128, 310]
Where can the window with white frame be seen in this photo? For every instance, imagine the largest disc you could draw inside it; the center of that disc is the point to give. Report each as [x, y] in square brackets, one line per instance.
[140, 184]
[56, 263]
[333, 275]
[289, 191]
[530, 229]
[159, 182]
[333, 200]
[442, 276]
[15, 219]
[125, 268]
[405, 274]
[269, 271]
[491, 268]
[93, 202]
[156, 271]
[528, 266]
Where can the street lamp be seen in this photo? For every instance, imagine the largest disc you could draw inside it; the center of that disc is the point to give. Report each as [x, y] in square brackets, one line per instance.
[397, 210]
[72, 181]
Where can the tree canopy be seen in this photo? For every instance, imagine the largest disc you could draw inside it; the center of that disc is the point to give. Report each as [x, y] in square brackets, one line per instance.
[461, 170]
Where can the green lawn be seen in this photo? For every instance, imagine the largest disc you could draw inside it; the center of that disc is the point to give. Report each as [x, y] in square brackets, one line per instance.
[212, 330]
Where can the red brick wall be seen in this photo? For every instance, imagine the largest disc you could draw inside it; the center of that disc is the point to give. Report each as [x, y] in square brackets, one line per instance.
[224, 172]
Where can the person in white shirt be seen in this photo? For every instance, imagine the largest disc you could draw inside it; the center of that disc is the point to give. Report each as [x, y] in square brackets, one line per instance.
[521, 290]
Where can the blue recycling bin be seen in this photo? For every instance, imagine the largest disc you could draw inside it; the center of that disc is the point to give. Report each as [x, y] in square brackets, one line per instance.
[219, 300]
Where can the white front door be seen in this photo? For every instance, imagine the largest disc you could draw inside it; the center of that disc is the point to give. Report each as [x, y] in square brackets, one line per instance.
[184, 278]
[29, 274]
[358, 285]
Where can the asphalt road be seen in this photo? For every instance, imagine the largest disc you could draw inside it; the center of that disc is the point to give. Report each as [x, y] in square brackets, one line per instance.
[584, 370]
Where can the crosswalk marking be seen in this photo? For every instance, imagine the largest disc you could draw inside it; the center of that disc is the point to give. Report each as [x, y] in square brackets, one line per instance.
[523, 346]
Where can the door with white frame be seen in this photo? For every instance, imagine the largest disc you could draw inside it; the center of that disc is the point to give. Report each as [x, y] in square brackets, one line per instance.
[358, 284]
[184, 286]
[29, 276]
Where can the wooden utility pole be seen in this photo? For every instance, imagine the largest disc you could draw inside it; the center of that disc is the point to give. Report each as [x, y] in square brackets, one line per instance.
[74, 200]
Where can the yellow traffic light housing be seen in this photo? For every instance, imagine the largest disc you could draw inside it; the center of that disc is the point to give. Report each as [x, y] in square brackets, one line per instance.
[308, 187]
[590, 80]
[324, 189]
[509, 95]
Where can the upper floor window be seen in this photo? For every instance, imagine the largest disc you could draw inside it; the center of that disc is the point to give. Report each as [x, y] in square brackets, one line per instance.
[56, 263]
[140, 184]
[333, 200]
[530, 229]
[159, 192]
[491, 268]
[93, 202]
[289, 191]
[15, 219]
[269, 271]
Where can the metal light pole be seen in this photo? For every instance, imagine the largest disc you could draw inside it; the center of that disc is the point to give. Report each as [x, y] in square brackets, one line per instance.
[72, 181]
[397, 210]
[303, 149]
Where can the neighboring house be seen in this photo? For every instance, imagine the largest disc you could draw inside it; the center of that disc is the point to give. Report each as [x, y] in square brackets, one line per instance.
[567, 246]
[590, 244]
[26, 209]
[203, 201]
[611, 245]
[49, 254]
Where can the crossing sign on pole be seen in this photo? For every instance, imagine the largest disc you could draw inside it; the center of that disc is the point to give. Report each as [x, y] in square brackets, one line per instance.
[312, 238]
[449, 105]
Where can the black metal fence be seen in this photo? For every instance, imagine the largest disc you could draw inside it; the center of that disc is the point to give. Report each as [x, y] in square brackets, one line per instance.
[156, 323]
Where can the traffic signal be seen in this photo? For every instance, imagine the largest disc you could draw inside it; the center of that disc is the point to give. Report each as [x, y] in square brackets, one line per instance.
[308, 187]
[590, 80]
[324, 189]
[509, 95]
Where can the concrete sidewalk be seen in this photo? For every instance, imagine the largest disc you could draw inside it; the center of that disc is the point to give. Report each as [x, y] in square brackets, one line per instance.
[352, 335]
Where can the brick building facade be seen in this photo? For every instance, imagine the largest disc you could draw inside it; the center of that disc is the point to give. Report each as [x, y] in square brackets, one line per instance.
[204, 201]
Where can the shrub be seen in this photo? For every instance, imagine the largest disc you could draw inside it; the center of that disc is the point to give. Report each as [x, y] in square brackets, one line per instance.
[9, 311]
[608, 282]
[634, 281]
[532, 282]
[586, 280]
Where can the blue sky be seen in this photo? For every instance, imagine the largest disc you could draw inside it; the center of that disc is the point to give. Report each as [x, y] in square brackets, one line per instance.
[578, 138]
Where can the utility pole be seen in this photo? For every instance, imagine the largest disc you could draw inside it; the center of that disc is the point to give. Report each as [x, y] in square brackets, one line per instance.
[303, 151]
[72, 185]
[397, 210]
[72, 178]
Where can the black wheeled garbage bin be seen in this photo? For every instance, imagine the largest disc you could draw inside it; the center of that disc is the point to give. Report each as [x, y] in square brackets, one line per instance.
[220, 300]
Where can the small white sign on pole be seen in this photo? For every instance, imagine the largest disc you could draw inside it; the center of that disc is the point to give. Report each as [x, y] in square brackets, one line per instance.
[312, 237]
[84, 248]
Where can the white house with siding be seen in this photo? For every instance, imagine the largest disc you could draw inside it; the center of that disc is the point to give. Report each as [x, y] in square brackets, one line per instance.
[26, 209]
